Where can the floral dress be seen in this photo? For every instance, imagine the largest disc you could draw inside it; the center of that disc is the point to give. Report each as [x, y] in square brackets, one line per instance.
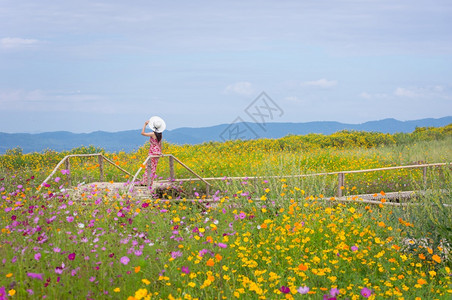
[154, 149]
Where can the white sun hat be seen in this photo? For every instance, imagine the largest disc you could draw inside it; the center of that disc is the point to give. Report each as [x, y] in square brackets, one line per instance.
[157, 124]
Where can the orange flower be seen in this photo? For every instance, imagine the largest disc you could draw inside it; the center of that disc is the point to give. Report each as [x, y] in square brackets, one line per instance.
[436, 258]
[137, 269]
[302, 267]
[210, 262]
[218, 257]
[421, 256]
[421, 281]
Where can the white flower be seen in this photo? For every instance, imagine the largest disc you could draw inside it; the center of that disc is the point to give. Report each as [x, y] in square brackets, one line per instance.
[81, 225]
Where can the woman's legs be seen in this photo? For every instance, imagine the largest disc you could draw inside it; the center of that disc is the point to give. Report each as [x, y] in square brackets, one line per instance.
[152, 176]
[154, 162]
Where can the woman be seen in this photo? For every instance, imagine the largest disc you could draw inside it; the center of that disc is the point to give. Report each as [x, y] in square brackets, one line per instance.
[157, 126]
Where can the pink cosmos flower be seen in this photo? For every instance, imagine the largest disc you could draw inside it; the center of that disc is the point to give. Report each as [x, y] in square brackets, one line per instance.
[185, 270]
[57, 179]
[71, 256]
[176, 254]
[334, 292]
[38, 256]
[70, 219]
[35, 275]
[354, 248]
[366, 292]
[303, 290]
[124, 260]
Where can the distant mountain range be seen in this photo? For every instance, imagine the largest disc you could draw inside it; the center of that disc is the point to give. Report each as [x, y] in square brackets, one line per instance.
[132, 139]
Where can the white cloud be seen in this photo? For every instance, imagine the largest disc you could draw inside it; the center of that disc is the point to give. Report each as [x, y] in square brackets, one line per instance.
[16, 43]
[367, 95]
[403, 92]
[429, 92]
[39, 100]
[241, 88]
[436, 91]
[321, 83]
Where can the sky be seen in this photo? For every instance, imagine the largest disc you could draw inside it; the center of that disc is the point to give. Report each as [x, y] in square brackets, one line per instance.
[90, 65]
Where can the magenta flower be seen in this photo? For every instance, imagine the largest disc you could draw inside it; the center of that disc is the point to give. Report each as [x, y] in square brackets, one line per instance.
[284, 289]
[3, 293]
[70, 219]
[65, 172]
[176, 254]
[303, 290]
[334, 292]
[354, 248]
[34, 276]
[71, 256]
[366, 292]
[222, 245]
[57, 179]
[38, 256]
[59, 270]
[124, 260]
[185, 270]
[242, 215]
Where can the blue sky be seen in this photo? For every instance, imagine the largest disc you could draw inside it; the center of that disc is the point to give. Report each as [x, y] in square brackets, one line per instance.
[108, 65]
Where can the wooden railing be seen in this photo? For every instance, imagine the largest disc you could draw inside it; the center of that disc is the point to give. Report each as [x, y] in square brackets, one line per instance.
[340, 174]
[66, 161]
[171, 159]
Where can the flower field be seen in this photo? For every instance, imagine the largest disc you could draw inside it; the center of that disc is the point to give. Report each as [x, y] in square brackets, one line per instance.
[271, 238]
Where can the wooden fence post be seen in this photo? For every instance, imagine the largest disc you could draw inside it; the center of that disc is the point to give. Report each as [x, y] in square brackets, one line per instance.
[341, 181]
[101, 167]
[424, 175]
[148, 171]
[68, 168]
[171, 167]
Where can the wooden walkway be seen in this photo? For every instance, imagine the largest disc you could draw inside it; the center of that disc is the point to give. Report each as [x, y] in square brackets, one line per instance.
[392, 198]
[142, 192]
